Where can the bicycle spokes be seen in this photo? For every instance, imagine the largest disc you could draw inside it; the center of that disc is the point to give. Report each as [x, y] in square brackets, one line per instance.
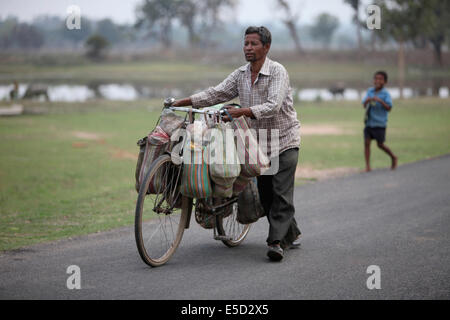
[160, 234]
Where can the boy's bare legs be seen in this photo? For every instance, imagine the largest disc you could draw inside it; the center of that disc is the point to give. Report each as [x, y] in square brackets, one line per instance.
[367, 154]
[394, 159]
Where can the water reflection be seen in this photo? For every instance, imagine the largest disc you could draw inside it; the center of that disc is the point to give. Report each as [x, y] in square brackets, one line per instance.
[131, 92]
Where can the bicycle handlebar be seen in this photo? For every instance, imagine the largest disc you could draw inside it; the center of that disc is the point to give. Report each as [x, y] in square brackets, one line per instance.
[168, 104]
[184, 109]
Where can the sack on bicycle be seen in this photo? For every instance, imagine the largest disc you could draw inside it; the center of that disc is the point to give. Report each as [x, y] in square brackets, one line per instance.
[250, 208]
[224, 165]
[254, 162]
[195, 181]
[153, 146]
[251, 157]
[240, 184]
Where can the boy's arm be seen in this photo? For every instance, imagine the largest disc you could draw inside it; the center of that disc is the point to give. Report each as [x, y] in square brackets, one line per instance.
[386, 105]
[365, 102]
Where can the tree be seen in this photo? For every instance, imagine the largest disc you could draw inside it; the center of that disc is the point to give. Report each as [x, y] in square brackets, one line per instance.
[6, 28]
[96, 46]
[355, 4]
[187, 13]
[109, 30]
[158, 16]
[324, 28]
[77, 36]
[413, 20]
[19, 35]
[210, 18]
[50, 27]
[291, 23]
[28, 36]
[399, 23]
[435, 25]
[416, 20]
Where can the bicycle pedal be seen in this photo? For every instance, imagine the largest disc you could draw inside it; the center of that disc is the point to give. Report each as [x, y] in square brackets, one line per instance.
[222, 238]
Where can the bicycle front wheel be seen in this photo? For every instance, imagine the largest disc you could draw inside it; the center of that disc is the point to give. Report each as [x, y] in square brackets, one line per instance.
[161, 218]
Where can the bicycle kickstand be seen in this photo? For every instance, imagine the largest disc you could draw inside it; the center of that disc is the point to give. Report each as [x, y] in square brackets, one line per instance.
[221, 238]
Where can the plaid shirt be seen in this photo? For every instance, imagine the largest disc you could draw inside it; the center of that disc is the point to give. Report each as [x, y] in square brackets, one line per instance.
[269, 98]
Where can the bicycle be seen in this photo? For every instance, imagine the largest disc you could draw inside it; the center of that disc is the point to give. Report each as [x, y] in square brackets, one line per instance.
[157, 238]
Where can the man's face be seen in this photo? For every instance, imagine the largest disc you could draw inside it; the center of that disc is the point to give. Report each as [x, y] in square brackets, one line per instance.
[379, 81]
[253, 48]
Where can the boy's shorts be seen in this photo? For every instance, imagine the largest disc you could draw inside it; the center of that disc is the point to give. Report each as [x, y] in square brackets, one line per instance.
[378, 134]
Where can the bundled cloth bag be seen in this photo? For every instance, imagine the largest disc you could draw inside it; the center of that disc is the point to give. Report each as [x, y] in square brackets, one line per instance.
[153, 146]
[170, 122]
[240, 184]
[195, 182]
[253, 160]
[224, 165]
[250, 208]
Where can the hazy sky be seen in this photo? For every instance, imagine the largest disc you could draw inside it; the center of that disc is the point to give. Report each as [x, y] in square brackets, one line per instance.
[249, 11]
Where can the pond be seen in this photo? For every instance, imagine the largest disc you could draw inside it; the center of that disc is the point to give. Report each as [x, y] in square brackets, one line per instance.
[132, 92]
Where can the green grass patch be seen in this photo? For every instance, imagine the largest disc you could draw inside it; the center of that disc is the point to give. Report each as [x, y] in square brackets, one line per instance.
[170, 72]
[417, 129]
[71, 172]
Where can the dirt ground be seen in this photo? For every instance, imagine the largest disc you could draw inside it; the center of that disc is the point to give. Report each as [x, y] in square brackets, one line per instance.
[323, 130]
[116, 153]
[309, 173]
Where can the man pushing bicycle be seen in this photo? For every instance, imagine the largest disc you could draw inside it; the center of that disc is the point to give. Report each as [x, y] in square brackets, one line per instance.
[265, 95]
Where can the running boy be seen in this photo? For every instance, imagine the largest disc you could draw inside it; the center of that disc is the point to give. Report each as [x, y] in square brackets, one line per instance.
[378, 104]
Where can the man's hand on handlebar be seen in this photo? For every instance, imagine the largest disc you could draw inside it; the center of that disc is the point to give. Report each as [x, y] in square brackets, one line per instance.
[187, 102]
[237, 113]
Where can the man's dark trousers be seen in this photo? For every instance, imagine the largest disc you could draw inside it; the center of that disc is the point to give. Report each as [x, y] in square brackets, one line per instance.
[277, 197]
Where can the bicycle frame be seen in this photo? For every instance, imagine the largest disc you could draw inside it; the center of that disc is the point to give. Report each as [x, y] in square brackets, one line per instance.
[223, 211]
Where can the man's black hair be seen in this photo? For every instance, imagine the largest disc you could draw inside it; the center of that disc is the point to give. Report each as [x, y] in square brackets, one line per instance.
[264, 34]
[384, 74]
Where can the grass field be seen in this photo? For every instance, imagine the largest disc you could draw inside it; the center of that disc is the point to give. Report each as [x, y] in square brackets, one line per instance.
[172, 71]
[71, 171]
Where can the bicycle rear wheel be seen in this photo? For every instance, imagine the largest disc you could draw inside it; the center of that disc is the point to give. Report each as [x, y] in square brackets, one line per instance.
[161, 218]
[229, 226]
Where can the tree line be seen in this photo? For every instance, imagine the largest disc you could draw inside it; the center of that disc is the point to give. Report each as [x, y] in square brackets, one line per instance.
[414, 23]
[51, 31]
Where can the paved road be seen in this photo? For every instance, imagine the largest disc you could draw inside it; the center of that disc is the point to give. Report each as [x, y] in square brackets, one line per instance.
[399, 221]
